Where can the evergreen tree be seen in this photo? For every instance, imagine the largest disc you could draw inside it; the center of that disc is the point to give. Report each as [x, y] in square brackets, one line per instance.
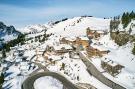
[3, 53]
[127, 17]
[133, 50]
[123, 17]
[1, 80]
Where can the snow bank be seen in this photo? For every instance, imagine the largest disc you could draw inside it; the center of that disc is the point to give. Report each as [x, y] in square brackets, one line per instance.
[47, 82]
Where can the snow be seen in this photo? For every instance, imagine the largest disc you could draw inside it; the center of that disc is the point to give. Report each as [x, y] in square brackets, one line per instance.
[119, 55]
[47, 82]
[34, 28]
[130, 25]
[58, 47]
[71, 38]
[84, 38]
[74, 70]
[106, 42]
[72, 28]
[14, 70]
[123, 55]
[14, 83]
[9, 37]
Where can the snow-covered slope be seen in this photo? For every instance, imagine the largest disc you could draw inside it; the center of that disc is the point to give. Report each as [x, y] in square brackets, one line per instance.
[75, 67]
[34, 28]
[130, 27]
[77, 26]
[7, 33]
[51, 83]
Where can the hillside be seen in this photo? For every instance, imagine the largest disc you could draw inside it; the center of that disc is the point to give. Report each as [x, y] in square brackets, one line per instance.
[37, 28]
[7, 33]
[77, 26]
[90, 36]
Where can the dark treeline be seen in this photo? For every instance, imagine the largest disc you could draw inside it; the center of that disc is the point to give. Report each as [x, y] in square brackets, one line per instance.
[56, 22]
[127, 17]
[114, 23]
[1, 80]
[6, 46]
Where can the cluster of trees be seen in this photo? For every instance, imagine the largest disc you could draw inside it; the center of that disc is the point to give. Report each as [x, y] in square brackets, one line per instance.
[6, 46]
[1, 80]
[127, 17]
[86, 16]
[20, 39]
[114, 24]
[133, 50]
[42, 38]
[121, 38]
[56, 22]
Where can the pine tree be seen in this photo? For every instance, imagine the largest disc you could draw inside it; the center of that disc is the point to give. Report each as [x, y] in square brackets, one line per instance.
[3, 53]
[123, 18]
[127, 17]
[133, 50]
[1, 80]
[132, 14]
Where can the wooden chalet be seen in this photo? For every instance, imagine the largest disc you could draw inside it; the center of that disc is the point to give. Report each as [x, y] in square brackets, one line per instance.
[82, 41]
[95, 52]
[111, 67]
[94, 34]
[65, 40]
[59, 49]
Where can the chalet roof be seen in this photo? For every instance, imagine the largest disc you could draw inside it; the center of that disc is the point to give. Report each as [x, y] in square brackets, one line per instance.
[70, 38]
[39, 53]
[99, 31]
[84, 38]
[99, 47]
[20, 49]
[110, 62]
[54, 57]
[58, 47]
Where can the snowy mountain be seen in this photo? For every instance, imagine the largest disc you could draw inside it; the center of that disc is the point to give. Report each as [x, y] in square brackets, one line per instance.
[8, 33]
[77, 26]
[34, 28]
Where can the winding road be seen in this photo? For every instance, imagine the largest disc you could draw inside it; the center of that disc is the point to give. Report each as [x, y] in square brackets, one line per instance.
[29, 82]
[97, 74]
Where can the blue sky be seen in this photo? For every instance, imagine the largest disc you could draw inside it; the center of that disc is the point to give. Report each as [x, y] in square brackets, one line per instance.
[24, 12]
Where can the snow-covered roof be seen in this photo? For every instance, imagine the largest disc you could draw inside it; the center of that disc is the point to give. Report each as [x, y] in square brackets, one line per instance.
[99, 47]
[20, 49]
[41, 59]
[110, 62]
[99, 31]
[84, 38]
[58, 47]
[70, 38]
[54, 57]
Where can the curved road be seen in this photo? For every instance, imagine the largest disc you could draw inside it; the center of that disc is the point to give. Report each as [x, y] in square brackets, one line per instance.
[28, 83]
[97, 74]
